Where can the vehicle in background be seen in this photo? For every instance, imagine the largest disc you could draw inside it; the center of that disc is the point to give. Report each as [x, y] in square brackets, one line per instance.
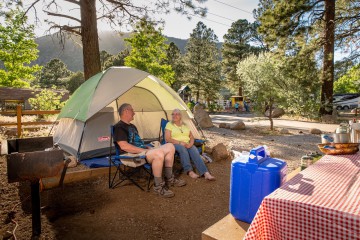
[346, 101]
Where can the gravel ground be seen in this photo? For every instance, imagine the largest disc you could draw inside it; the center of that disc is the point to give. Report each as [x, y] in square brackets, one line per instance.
[89, 210]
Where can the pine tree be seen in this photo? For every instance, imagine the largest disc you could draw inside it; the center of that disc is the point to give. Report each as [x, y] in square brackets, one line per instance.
[237, 47]
[175, 60]
[53, 74]
[148, 52]
[202, 64]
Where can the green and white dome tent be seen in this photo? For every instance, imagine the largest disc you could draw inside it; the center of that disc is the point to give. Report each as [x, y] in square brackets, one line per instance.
[84, 122]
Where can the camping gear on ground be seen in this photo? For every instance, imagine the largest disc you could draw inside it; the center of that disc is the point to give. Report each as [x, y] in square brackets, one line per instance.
[339, 148]
[251, 180]
[126, 166]
[84, 121]
[309, 159]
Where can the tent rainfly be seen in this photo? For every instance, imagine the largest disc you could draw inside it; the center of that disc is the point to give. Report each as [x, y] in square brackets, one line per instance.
[84, 122]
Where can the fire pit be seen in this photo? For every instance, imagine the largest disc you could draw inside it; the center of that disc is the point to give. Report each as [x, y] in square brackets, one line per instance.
[27, 160]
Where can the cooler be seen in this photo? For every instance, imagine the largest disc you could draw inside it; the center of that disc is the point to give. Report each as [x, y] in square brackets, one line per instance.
[251, 180]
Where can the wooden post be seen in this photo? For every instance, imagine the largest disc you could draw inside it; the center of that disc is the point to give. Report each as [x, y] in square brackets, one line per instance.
[18, 121]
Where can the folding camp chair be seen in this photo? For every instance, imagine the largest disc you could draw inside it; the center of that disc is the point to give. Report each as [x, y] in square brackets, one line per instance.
[199, 143]
[126, 166]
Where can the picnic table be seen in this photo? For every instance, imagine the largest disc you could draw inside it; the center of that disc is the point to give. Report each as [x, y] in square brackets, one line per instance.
[321, 202]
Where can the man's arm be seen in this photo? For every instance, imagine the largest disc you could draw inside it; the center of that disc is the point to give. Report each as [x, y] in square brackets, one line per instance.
[127, 147]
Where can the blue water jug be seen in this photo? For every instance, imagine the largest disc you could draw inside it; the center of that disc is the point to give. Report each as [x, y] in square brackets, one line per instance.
[251, 180]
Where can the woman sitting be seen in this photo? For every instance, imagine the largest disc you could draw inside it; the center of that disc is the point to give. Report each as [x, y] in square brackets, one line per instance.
[180, 135]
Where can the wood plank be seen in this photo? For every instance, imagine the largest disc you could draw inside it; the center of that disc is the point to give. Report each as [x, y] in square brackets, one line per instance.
[226, 229]
[230, 228]
[76, 176]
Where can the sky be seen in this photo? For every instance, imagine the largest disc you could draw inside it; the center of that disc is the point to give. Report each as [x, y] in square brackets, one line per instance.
[221, 13]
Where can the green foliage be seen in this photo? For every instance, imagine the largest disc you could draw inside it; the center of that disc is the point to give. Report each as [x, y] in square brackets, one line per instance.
[117, 60]
[288, 82]
[191, 105]
[202, 64]
[17, 50]
[53, 74]
[75, 81]
[175, 60]
[213, 107]
[237, 47]
[148, 52]
[47, 99]
[104, 57]
[350, 82]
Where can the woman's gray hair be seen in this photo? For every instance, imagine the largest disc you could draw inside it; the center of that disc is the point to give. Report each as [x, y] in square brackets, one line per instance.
[176, 110]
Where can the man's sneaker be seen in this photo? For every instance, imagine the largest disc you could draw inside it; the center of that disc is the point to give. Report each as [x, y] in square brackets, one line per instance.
[163, 191]
[175, 182]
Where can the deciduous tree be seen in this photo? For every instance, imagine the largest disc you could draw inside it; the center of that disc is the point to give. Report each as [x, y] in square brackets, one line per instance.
[17, 50]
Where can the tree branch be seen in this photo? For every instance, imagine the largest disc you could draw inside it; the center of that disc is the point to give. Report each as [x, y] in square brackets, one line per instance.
[73, 1]
[62, 15]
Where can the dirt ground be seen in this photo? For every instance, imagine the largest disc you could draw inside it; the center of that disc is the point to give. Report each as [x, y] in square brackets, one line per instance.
[90, 210]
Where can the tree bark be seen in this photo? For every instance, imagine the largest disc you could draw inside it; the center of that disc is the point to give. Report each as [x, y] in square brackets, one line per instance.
[89, 34]
[327, 76]
[240, 90]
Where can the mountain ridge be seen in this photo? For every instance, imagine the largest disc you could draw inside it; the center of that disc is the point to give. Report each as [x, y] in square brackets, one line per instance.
[70, 51]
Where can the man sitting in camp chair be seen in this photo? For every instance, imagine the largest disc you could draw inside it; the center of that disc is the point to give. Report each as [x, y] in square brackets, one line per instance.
[129, 141]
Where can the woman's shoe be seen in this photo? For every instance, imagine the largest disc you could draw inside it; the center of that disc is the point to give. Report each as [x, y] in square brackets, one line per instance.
[209, 177]
[193, 175]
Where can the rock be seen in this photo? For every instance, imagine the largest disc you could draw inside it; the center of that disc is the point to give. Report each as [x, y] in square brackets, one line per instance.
[73, 162]
[222, 125]
[284, 131]
[276, 112]
[239, 125]
[220, 152]
[208, 150]
[227, 126]
[202, 117]
[315, 131]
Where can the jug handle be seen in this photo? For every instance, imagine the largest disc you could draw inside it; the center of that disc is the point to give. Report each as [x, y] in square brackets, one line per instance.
[257, 154]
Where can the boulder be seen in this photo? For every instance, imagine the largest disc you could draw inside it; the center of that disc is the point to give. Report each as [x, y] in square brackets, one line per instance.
[202, 117]
[284, 131]
[220, 152]
[276, 112]
[315, 131]
[208, 150]
[239, 125]
[222, 125]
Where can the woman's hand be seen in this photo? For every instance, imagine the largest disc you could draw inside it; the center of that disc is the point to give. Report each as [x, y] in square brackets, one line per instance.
[188, 145]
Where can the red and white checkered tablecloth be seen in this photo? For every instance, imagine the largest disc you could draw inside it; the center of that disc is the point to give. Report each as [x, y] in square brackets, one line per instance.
[321, 202]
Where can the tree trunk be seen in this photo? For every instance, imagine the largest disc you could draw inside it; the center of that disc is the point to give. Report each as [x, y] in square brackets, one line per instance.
[327, 76]
[197, 95]
[270, 115]
[240, 91]
[90, 38]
